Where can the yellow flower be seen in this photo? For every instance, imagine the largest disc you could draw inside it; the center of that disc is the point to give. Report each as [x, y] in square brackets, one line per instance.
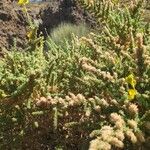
[131, 80]
[23, 2]
[30, 35]
[131, 94]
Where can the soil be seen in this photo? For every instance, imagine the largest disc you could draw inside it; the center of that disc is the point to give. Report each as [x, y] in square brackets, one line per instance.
[13, 23]
[60, 11]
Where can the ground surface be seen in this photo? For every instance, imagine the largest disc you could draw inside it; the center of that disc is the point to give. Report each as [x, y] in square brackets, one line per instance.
[13, 22]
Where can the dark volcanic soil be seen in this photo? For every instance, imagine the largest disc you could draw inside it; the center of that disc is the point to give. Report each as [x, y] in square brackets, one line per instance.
[12, 25]
[59, 11]
[13, 22]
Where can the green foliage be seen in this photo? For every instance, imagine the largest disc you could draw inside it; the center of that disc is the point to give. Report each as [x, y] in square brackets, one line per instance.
[63, 33]
[77, 97]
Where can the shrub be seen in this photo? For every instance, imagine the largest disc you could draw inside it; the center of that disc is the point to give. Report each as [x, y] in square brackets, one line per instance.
[93, 96]
[63, 33]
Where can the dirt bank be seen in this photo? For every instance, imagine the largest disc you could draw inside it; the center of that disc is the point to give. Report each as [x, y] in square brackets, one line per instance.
[12, 25]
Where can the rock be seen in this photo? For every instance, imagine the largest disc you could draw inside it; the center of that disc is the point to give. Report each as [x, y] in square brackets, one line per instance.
[59, 11]
[13, 22]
